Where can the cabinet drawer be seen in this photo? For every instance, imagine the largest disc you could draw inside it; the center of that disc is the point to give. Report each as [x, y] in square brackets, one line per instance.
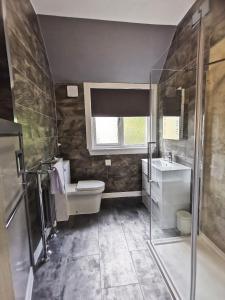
[146, 201]
[155, 188]
[145, 183]
[155, 212]
[145, 167]
[155, 196]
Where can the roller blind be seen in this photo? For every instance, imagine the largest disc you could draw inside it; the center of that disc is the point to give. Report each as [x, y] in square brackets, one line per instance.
[120, 103]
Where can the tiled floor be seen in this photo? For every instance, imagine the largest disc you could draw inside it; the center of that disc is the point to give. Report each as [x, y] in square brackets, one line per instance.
[102, 256]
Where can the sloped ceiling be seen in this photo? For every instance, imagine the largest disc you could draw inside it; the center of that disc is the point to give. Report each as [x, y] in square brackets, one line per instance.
[161, 12]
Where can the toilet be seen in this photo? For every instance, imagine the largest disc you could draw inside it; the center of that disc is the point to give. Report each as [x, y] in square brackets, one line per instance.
[83, 197]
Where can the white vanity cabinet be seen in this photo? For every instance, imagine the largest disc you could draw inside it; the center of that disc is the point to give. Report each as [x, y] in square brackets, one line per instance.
[170, 190]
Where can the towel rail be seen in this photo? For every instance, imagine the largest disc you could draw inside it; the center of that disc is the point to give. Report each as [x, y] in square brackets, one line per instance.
[38, 172]
[46, 251]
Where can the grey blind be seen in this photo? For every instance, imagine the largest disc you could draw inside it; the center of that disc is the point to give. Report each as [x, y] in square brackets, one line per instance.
[120, 102]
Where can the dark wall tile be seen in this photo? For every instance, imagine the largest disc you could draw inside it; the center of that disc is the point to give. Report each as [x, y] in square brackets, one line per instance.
[33, 92]
[183, 53]
[125, 172]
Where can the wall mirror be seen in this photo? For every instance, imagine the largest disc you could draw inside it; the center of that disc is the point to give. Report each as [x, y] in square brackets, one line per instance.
[173, 113]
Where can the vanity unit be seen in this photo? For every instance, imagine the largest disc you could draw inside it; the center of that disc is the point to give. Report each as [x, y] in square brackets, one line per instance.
[170, 190]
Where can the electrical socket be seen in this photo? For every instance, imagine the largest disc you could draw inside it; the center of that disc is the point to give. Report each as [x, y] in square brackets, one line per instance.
[108, 162]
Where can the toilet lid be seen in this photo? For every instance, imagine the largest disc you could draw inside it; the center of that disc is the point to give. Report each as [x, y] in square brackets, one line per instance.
[87, 185]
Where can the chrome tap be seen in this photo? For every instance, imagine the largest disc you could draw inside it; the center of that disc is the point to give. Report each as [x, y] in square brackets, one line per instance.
[170, 157]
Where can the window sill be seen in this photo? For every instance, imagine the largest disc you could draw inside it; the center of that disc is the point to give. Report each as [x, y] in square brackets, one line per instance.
[117, 151]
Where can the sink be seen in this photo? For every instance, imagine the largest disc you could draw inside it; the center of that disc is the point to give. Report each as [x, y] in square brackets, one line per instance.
[164, 165]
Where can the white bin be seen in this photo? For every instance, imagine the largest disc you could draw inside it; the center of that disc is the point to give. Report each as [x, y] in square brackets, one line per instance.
[184, 222]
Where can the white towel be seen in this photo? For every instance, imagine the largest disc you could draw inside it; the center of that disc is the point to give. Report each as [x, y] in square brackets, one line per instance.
[56, 183]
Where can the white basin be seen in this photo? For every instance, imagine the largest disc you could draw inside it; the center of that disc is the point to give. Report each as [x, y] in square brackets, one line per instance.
[164, 165]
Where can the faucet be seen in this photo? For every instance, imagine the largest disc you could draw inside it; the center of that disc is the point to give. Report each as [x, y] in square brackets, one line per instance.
[170, 156]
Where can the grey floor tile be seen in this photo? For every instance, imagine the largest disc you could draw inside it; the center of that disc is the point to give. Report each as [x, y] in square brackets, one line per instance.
[135, 234]
[108, 217]
[127, 292]
[116, 269]
[84, 243]
[82, 280]
[155, 292]
[92, 252]
[144, 214]
[111, 235]
[82, 237]
[127, 214]
[137, 212]
[49, 279]
[112, 238]
[80, 223]
[158, 233]
[149, 277]
[78, 237]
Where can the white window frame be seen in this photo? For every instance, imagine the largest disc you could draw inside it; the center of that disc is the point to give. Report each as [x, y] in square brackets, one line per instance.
[108, 149]
[120, 143]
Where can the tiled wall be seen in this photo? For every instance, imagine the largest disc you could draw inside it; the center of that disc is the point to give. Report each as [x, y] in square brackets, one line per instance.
[33, 92]
[124, 174]
[181, 57]
[6, 103]
[213, 205]
[183, 150]
[182, 54]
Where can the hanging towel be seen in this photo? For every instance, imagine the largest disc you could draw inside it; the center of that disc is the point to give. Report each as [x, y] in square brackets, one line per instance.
[56, 183]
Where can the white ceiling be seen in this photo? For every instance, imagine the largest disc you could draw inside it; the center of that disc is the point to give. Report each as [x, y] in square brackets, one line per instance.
[165, 12]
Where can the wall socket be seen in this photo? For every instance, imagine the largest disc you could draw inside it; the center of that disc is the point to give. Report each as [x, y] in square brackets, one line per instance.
[108, 162]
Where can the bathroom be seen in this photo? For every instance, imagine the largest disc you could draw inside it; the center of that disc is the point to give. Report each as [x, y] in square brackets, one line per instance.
[112, 150]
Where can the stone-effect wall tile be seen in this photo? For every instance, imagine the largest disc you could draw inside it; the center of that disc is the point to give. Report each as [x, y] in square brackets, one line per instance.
[125, 172]
[33, 92]
[213, 205]
[182, 53]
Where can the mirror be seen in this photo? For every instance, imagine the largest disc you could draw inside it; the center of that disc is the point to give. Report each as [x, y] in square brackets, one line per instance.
[173, 113]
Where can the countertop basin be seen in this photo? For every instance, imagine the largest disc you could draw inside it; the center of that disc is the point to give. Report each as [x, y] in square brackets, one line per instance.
[164, 165]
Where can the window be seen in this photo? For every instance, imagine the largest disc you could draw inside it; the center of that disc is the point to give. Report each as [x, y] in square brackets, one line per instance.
[135, 130]
[120, 132]
[117, 117]
[106, 131]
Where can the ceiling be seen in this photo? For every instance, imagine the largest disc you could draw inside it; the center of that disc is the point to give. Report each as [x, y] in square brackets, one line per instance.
[164, 12]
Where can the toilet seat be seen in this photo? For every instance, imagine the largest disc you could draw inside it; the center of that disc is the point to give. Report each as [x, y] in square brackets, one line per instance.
[90, 185]
[85, 187]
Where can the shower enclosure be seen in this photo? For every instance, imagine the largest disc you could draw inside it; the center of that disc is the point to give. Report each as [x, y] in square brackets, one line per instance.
[187, 196]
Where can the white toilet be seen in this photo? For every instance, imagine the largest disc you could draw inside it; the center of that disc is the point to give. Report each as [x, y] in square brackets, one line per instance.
[83, 197]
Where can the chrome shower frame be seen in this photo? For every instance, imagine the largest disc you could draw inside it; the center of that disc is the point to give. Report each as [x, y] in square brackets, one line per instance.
[197, 172]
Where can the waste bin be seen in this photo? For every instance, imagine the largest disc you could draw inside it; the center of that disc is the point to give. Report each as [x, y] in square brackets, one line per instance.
[184, 222]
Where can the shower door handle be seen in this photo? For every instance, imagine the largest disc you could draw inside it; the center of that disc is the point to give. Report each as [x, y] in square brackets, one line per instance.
[150, 159]
[149, 153]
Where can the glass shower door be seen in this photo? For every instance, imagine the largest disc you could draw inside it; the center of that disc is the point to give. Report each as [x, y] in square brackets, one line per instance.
[210, 277]
[187, 237]
[171, 177]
